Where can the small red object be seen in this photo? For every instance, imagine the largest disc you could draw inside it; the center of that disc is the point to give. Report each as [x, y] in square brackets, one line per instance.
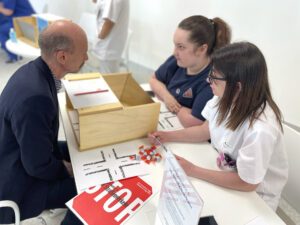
[91, 92]
[148, 154]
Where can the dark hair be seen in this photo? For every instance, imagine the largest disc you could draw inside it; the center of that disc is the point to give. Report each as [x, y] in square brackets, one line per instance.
[49, 42]
[243, 62]
[215, 33]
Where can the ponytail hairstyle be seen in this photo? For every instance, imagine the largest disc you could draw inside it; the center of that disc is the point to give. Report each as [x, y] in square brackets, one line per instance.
[215, 33]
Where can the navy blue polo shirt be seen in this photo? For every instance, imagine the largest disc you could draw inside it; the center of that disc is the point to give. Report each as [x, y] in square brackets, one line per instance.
[191, 91]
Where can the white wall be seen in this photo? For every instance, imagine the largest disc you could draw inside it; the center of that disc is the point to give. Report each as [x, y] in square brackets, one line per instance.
[70, 9]
[273, 25]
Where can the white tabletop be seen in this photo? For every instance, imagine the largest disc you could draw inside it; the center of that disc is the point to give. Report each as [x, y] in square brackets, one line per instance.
[22, 49]
[229, 207]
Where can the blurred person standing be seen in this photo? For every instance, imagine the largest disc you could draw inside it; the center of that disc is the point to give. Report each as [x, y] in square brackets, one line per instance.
[112, 29]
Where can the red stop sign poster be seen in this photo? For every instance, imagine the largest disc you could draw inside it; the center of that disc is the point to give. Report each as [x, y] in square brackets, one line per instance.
[111, 203]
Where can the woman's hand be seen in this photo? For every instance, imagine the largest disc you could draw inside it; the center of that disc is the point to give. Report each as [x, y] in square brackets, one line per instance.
[186, 165]
[162, 136]
[171, 103]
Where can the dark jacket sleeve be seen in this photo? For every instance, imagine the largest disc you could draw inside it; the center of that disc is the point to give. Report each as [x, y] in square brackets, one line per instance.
[32, 123]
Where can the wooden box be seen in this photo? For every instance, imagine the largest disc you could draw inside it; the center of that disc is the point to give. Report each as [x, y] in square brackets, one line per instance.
[27, 28]
[134, 117]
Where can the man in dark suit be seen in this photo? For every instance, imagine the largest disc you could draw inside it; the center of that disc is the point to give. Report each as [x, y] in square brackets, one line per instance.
[34, 167]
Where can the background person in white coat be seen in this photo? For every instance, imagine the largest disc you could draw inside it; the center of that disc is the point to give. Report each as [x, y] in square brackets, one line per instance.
[112, 24]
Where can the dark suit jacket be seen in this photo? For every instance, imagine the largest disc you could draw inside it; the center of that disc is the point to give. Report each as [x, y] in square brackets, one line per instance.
[28, 139]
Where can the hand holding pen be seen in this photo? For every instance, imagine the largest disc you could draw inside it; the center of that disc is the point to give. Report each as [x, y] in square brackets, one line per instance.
[158, 138]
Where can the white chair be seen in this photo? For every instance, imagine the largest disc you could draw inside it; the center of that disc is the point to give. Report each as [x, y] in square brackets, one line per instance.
[51, 216]
[291, 192]
[15, 208]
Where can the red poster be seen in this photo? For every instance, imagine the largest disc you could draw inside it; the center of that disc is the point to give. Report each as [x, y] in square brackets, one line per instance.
[111, 203]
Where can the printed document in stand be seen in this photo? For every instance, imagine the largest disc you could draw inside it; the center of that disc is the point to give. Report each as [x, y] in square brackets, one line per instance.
[179, 202]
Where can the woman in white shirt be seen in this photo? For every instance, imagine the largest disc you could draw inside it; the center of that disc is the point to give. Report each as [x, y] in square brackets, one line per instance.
[244, 125]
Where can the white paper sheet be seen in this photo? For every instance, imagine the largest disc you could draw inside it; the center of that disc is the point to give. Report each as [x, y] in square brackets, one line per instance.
[167, 120]
[75, 87]
[109, 163]
[73, 117]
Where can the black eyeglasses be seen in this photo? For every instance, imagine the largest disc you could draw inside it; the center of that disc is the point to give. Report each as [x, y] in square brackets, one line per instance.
[211, 78]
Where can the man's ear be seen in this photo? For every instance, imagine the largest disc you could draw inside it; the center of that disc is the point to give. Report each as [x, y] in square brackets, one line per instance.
[61, 57]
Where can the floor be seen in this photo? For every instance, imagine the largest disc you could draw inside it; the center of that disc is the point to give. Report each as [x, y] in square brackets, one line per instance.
[141, 75]
[6, 70]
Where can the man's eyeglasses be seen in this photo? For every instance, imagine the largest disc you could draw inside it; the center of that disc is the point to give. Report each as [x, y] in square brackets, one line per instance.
[211, 78]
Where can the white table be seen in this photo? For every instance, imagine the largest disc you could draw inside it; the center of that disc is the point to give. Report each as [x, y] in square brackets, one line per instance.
[229, 207]
[22, 49]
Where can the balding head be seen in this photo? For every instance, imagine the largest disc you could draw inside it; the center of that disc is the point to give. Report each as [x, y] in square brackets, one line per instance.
[60, 36]
[63, 47]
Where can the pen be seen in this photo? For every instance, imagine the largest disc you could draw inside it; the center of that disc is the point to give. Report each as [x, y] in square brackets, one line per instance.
[90, 92]
[159, 142]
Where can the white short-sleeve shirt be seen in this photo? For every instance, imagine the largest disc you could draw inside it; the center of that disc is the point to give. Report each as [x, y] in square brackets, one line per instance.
[259, 151]
[112, 46]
